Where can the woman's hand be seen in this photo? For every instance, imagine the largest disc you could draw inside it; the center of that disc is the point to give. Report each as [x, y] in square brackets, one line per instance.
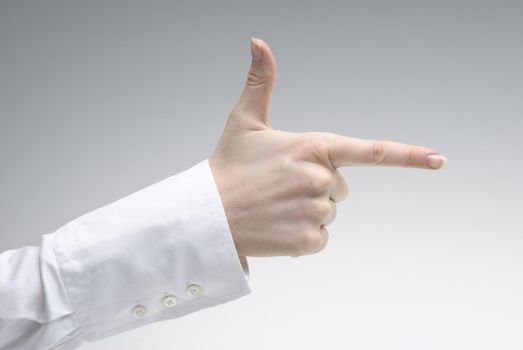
[278, 188]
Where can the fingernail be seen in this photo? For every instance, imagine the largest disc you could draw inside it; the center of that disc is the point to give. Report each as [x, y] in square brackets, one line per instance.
[255, 49]
[435, 161]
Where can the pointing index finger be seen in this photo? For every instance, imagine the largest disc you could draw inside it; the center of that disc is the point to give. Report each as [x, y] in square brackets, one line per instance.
[347, 151]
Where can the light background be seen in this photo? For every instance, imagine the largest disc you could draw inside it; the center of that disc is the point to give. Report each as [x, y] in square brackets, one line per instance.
[101, 98]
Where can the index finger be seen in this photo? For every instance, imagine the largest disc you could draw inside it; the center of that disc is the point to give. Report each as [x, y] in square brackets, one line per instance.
[346, 151]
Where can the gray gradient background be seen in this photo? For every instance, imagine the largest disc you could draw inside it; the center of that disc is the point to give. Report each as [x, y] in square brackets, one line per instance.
[101, 98]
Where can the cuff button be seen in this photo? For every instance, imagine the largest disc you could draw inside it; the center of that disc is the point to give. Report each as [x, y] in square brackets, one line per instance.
[139, 311]
[169, 301]
[193, 290]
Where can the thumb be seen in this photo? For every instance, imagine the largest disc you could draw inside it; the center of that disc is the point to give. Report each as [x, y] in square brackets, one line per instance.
[251, 111]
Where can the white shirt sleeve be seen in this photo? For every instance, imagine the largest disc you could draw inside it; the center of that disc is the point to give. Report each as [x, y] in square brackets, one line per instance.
[159, 253]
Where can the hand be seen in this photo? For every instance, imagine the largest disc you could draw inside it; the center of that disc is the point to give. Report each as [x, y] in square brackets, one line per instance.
[278, 188]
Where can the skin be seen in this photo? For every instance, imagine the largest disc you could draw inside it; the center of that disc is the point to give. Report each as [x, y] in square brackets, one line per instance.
[279, 189]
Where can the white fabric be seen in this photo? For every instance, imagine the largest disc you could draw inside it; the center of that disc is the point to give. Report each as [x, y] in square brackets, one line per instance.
[85, 278]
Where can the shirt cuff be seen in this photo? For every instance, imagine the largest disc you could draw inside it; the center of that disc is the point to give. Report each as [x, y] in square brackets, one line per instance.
[159, 253]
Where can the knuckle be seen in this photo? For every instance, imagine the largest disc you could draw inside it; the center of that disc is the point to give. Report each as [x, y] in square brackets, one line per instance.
[255, 78]
[413, 157]
[378, 152]
[312, 146]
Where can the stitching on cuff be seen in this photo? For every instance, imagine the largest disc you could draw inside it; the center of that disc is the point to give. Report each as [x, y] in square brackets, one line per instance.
[60, 273]
[225, 242]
